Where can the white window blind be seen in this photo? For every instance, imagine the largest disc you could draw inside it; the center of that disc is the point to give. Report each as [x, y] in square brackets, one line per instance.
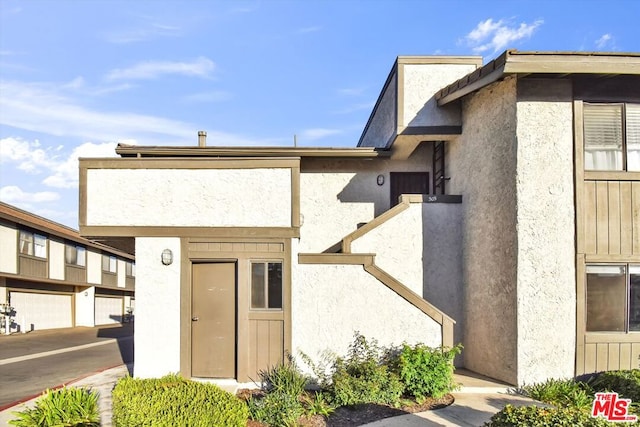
[633, 137]
[603, 137]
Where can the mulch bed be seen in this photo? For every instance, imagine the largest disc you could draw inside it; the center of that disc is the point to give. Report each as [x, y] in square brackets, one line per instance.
[348, 416]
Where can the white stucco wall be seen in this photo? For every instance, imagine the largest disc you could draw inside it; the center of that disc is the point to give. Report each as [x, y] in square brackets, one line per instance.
[8, 249]
[546, 300]
[335, 195]
[157, 334]
[94, 266]
[382, 126]
[122, 269]
[330, 302]
[421, 83]
[397, 244]
[442, 254]
[56, 259]
[482, 166]
[203, 197]
[85, 307]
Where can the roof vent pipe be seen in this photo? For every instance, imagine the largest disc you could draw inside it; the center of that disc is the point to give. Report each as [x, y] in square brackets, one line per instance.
[202, 138]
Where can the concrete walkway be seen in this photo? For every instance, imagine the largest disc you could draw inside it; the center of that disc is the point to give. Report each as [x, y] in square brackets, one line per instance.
[476, 402]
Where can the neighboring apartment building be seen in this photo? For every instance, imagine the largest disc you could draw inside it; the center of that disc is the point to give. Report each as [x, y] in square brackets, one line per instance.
[496, 206]
[53, 278]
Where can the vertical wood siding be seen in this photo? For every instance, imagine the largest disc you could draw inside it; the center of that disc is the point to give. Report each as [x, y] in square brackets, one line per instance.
[612, 217]
[266, 345]
[610, 355]
[33, 267]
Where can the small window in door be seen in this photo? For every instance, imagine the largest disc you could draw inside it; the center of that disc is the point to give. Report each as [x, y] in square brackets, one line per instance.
[266, 285]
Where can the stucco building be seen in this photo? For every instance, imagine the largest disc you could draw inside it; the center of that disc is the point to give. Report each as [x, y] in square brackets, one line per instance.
[496, 205]
[54, 278]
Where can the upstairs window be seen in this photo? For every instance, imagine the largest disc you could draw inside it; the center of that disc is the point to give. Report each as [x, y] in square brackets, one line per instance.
[266, 285]
[33, 244]
[75, 255]
[612, 137]
[109, 264]
[131, 269]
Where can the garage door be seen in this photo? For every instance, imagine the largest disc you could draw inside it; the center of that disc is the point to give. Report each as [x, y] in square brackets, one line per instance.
[42, 311]
[108, 310]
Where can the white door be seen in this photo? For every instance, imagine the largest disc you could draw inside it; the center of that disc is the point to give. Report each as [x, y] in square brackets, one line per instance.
[41, 311]
[108, 310]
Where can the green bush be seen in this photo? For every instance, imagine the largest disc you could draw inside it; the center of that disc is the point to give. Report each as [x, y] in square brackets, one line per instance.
[174, 401]
[283, 378]
[563, 393]
[276, 409]
[360, 377]
[625, 383]
[535, 416]
[427, 371]
[69, 407]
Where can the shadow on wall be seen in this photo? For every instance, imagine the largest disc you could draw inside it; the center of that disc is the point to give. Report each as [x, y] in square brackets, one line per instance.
[123, 334]
[363, 188]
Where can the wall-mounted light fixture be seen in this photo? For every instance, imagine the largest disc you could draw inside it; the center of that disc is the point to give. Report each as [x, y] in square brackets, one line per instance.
[380, 179]
[167, 257]
[86, 294]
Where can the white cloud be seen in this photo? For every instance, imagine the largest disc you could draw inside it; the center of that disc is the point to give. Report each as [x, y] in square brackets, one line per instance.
[306, 30]
[318, 133]
[14, 195]
[355, 107]
[28, 156]
[65, 173]
[200, 67]
[351, 91]
[143, 31]
[494, 36]
[605, 42]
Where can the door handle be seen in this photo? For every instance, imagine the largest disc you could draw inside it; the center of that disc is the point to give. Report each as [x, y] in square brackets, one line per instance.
[195, 318]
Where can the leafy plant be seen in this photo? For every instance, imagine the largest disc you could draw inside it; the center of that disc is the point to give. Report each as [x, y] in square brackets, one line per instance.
[318, 404]
[535, 416]
[427, 371]
[283, 378]
[563, 393]
[276, 409]
[360, 377]
[626, 383]
[174, 401]
[68, 407]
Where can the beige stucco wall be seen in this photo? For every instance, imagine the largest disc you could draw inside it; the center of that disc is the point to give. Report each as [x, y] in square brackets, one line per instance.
[546, 300]
[85, 307]
[331, 302]
[56, 258]
[157, 334]
[337, 195]
[382, 126]
[482, 166]
[204, 197]
[8, 249]
[94, 266]
[397, 244]
[421, 83]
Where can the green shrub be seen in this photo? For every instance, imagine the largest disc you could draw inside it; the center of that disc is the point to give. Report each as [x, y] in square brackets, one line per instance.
[360, 377]
[318, 404]
[535, 416]
[426, 371]
[563, 393]
[174, 401]
[625, 383]
[69, 407]
[283, 378]
[276, 409]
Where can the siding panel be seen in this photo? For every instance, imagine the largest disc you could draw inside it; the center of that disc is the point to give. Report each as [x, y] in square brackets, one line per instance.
[602, 217]
[602, 357]
[590, 236]
[626, 222]
[614, 217]
[590, 358]
[614, 357]
[625, 355]
[635, 216]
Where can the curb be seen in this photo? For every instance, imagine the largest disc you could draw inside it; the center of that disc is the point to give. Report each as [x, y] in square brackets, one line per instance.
[28, 398]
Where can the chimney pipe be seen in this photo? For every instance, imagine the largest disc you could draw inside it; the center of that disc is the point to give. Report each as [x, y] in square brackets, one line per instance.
[202, 138]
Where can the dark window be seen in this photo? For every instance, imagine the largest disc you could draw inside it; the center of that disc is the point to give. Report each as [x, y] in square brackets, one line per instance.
[613, 298]
[75, 255]
[33, 244]
[266, 285]
[109, 264]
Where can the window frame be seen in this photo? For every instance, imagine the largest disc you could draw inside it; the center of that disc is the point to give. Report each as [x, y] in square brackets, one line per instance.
[33, 244]
[628, 266]
[266, 263]
[623, 124]
[130, 269]
[115, 264]
[75, 247]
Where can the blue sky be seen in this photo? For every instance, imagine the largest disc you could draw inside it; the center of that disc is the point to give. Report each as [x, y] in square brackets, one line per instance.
[77, 77]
